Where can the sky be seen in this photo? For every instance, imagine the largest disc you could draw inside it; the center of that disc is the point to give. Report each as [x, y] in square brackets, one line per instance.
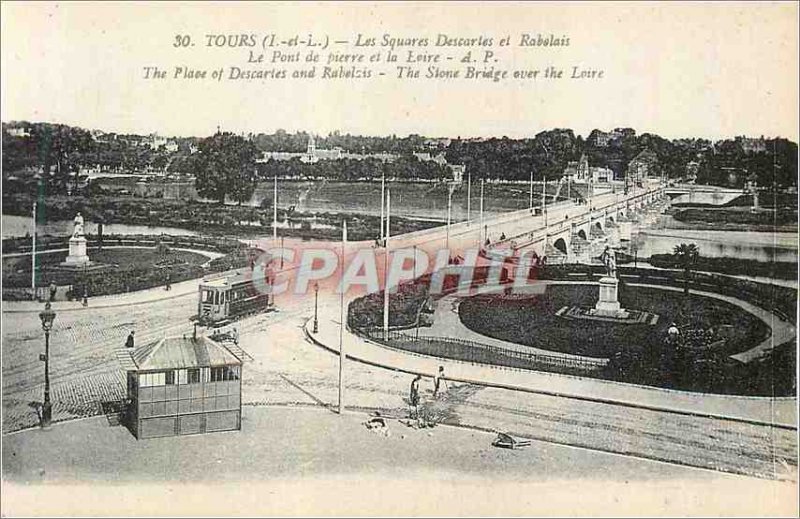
[709, 70]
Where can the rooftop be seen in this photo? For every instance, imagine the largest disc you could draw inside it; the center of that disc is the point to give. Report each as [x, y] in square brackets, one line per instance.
[240, 276]
[182, 352]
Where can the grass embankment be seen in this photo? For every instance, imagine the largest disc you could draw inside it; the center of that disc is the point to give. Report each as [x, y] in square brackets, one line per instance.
[738, 218]
[731, 266]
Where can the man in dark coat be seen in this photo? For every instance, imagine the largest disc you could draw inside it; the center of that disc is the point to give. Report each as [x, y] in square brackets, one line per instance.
[130, 343]
[413, 397]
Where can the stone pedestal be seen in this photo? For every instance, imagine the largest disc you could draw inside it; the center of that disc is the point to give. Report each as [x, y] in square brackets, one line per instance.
[77, 253]
[607, 303]
[625, 230]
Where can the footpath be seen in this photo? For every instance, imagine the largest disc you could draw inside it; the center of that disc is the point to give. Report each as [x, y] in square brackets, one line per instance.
[139, 297]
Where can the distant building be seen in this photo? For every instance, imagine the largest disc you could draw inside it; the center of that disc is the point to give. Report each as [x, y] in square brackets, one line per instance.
[437, 143]
[314, 155]
[749, 145]
[183, 386]
[580, 172]
[601, 139]
[171, 146]
[643, 166]
[19, 132]
[458, 172]
[156, 141]
[692, 167]
[428, 157]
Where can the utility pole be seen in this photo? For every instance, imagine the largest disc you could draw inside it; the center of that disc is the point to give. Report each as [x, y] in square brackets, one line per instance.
[415, 262]
[469, 194]
[316, 307]
[530, 199]
[386, 272]
[544, 200]
[33, 254]
[383, 199]
[480, 234]
[275, 212]
[342, 322]
[447, 234]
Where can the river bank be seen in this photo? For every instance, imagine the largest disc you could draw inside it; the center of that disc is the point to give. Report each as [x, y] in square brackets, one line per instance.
[159, 216]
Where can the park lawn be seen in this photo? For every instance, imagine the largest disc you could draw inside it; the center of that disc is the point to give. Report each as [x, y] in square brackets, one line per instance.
[533, 322]
[124, 258]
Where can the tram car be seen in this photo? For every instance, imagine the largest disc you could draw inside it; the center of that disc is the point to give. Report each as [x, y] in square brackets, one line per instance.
[225, 298]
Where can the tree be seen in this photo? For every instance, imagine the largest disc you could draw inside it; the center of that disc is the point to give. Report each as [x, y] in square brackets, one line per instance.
[686, 256]
[225, 166]
[64, 147]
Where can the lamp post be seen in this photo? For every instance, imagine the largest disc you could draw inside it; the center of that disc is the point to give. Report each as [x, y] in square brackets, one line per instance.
[47, 316]
[447, 234]
[316, 303]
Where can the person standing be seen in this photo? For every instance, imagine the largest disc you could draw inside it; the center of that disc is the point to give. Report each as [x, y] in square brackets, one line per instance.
[413, 396]
[130, 342]
[438, 379]
[53, 290]
[167, 283]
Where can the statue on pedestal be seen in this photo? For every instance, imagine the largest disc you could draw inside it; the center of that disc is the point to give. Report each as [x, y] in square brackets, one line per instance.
[609, 259]
[77, 246]
[78, 230]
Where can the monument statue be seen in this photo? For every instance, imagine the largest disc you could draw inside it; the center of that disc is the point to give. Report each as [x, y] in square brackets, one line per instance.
[78, 231]
[77, 247]
[609, 259]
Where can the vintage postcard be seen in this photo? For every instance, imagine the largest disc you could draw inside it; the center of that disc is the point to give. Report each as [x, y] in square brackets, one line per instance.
[386, 259]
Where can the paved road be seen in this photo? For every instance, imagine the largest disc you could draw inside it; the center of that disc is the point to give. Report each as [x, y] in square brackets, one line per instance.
[289, 370]
[313, 462]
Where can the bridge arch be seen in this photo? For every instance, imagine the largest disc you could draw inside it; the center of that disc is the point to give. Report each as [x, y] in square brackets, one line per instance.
[582, 234]
[561, 245]
[599, 225]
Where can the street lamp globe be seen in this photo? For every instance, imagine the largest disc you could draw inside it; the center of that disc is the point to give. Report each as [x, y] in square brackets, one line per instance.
[47, 316]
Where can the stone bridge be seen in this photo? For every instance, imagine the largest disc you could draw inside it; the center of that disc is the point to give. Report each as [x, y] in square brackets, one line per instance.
[560, 231]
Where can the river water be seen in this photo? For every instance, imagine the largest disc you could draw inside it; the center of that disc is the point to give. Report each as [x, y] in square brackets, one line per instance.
[16, 226]
[760, 246]
[659, 239]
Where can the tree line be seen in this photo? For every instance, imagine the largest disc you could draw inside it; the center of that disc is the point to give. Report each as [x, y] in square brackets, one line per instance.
[225, 163]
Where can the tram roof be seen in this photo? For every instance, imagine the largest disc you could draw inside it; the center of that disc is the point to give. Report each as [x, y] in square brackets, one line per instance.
[240, 276]
[183, 352]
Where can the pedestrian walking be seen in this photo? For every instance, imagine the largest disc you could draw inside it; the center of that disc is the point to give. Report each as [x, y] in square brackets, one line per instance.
[167, 284]
[85, 297]
[413, 397]
[438, 380]
[130, 342]
[53, 290]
